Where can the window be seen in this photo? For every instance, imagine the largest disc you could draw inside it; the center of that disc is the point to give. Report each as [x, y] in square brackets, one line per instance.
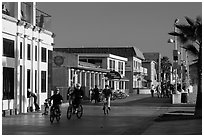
[28, 52]
[43, 81]
[43, 54]
[36, 53]
[112, 64]
[8, 83]
[21, 50]
[36, 76]
[28, 78]
[120, 67]
[8, 48]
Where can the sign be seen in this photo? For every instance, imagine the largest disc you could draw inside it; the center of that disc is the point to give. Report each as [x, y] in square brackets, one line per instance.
[113, 75]
[58, 60]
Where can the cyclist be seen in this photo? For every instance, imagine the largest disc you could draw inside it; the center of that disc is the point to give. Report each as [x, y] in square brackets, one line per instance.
[107, 93]
[57, 100]
[76, 96]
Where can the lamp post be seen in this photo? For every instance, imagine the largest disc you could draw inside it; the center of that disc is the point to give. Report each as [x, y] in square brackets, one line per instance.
[175, 53]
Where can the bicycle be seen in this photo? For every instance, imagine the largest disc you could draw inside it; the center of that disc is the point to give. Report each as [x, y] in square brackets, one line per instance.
[72, 110]
[55, 113]
[119, 95]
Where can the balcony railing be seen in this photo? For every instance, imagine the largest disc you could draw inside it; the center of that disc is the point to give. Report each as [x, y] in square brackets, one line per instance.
[43, 20]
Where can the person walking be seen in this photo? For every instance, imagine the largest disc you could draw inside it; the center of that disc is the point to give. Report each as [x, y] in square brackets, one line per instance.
[96, 94]
[152, 90]
[31, 94]
[158, 89]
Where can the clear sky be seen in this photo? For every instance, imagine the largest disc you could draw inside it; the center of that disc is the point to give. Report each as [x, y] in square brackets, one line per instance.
[142, 24]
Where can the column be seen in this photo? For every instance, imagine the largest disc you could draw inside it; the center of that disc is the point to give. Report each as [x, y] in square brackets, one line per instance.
[88, 79]
[100, 80]
[97, 78]
[92, 79]
[17, 95]
[68, 77]
[84, 83]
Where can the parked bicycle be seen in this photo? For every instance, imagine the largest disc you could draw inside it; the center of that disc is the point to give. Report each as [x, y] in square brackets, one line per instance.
[55, 113]
[72, 110]
[118, 95]
[47, 103]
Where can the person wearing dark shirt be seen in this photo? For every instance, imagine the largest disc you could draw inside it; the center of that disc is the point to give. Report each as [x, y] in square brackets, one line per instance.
[57, 99]
[76, 96]
[31, 94]
[96, 94]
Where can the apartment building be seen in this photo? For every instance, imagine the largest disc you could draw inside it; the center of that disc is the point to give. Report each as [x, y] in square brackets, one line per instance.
[26, 56]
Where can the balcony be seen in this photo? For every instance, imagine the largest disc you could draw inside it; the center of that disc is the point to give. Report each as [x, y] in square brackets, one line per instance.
[43, 20]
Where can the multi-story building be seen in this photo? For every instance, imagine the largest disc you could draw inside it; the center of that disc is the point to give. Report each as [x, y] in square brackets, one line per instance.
[26, 56]
[88, 70]
[134, 71]
[155, 56]
[151, 77]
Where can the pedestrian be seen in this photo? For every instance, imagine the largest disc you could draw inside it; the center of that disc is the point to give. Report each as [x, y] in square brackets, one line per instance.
[31, 94]
[158, 89]
[152, 90]
[96, 94]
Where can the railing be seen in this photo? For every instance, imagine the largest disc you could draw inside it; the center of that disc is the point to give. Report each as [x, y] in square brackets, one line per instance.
[43, 20]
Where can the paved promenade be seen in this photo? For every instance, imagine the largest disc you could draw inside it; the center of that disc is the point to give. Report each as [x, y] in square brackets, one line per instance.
[134, 115]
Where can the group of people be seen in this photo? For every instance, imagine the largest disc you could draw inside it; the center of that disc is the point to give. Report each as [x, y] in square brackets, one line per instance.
[74, 95]
[162, 90]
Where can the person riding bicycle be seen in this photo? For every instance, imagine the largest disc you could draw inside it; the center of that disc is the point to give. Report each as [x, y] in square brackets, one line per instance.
[57, 100]
[76, 96]
[107, 93]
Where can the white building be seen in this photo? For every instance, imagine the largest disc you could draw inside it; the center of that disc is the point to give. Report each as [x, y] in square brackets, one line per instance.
[88, 70]
[25, 55]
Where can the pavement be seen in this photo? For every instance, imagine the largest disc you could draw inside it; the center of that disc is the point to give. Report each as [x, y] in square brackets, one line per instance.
[177, 119]
[165, 126]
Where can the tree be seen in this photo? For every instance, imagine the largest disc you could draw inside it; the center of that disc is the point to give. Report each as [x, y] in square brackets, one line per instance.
[165, 67]
[190, 35]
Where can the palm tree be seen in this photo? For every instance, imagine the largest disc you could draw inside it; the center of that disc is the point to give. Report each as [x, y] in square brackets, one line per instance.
[165, 67]
[190, 35]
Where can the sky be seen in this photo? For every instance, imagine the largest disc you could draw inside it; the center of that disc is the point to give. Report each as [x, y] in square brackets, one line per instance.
[144, 25]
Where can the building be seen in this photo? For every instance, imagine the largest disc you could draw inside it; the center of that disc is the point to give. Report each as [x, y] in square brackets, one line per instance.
[151, 73]
[134, 71]
[155, 56]
[27, 53]
[88, 70]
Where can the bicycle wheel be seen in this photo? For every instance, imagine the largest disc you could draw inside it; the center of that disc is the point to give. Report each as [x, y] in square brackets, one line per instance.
[79, 112]
[69, 112]
[57, 114]
[51, 117]
[123, 95]
[114, 97]
[107, 110]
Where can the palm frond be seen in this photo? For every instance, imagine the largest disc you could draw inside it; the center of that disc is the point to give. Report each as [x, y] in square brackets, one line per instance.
[190, 21]
[191, 48]
[175, 34]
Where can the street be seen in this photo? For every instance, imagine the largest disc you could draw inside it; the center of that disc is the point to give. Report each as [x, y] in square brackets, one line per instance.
[132, 117]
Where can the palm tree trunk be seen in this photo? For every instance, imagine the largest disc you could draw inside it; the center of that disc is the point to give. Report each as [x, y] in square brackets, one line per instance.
[198, 107]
